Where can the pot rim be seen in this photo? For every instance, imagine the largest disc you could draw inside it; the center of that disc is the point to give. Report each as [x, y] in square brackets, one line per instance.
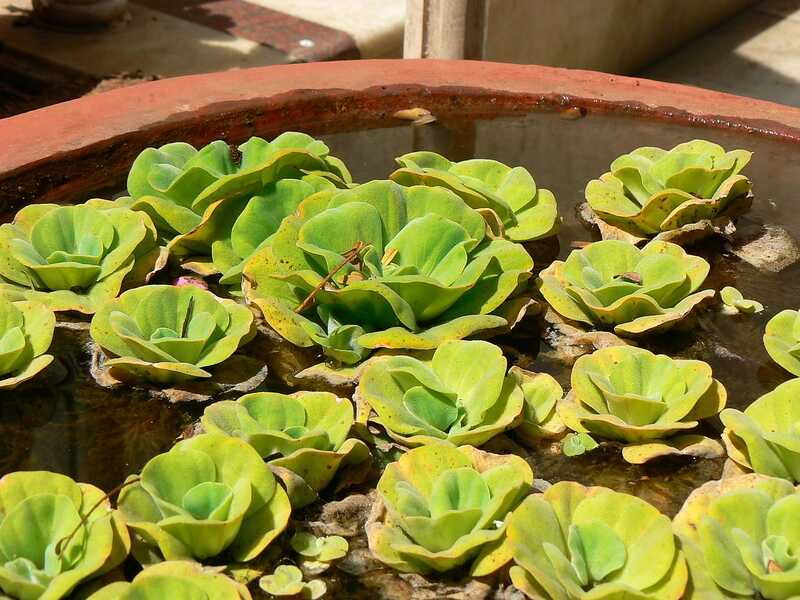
[57, 151]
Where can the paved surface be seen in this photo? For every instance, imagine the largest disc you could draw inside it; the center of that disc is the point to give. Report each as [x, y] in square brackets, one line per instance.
[757, 53]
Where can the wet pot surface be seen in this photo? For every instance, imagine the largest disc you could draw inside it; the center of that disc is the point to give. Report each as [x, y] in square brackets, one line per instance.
[100, 436]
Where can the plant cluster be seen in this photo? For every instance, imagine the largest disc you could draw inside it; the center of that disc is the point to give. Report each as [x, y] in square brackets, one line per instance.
[411, 267]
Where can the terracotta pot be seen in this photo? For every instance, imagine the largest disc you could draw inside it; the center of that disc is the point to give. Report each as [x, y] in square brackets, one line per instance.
[79, 13]
[67, 151]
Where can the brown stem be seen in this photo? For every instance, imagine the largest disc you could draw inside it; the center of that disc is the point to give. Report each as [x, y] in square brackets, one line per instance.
[349, 257]
[63, 543]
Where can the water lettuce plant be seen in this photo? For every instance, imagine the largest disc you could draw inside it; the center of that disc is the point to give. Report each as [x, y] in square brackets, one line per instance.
[176, 183]
[523, 211]
[652, 190]
[461, 394]
[539, 414]
[26, 331]
[287, 580]
[782, 340]
[740, 537]
[75, 257]
[443, 505]
[647, 401]
[209, 497]
[55, 534]
[234, 227]
[304, 436]
[765, 438]
[614, 284]
[574, 543]
[168, 334]
[175, 580]
[734, 302]
[384, 266]
[321, 549]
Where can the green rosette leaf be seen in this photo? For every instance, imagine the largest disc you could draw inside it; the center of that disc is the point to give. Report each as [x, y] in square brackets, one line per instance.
[444, 505]
[526, 212]
[75, 257]
[612, 284]
[741, 536]
[462, 394]
[26, 331]
[765, 438]
[639, 398]
[209, 497]
[168, 334]
[574, 542]
[176, 183]
[652, 190]
[540, 418]
[383, 266]
[236, 226]
[782, 340]
[305, 433]
[55, 534]
[734, 302]
[287, 580]
[175, 580]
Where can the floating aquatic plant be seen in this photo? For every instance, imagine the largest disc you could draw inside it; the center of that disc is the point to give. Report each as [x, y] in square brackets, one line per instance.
[782, 340]
[651, 191]
[734, 302]
[75, 257]
[443, 505]
[304, 436]
[234, 227]
[383, 266]
[576, 444]
[287, 580]
[176, 183]
[461, 394]
[614, 284]
[209, 497]
[26, 331]
[740, 537]
[539, 414]
[765, 438]
[647, 401]
[508, 196]
[55, 534]
[574, 542]
[175, 580]
[322, 549]
[168, 334]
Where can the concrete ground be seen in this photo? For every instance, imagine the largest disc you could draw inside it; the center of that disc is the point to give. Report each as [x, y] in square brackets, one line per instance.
[756, 53]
